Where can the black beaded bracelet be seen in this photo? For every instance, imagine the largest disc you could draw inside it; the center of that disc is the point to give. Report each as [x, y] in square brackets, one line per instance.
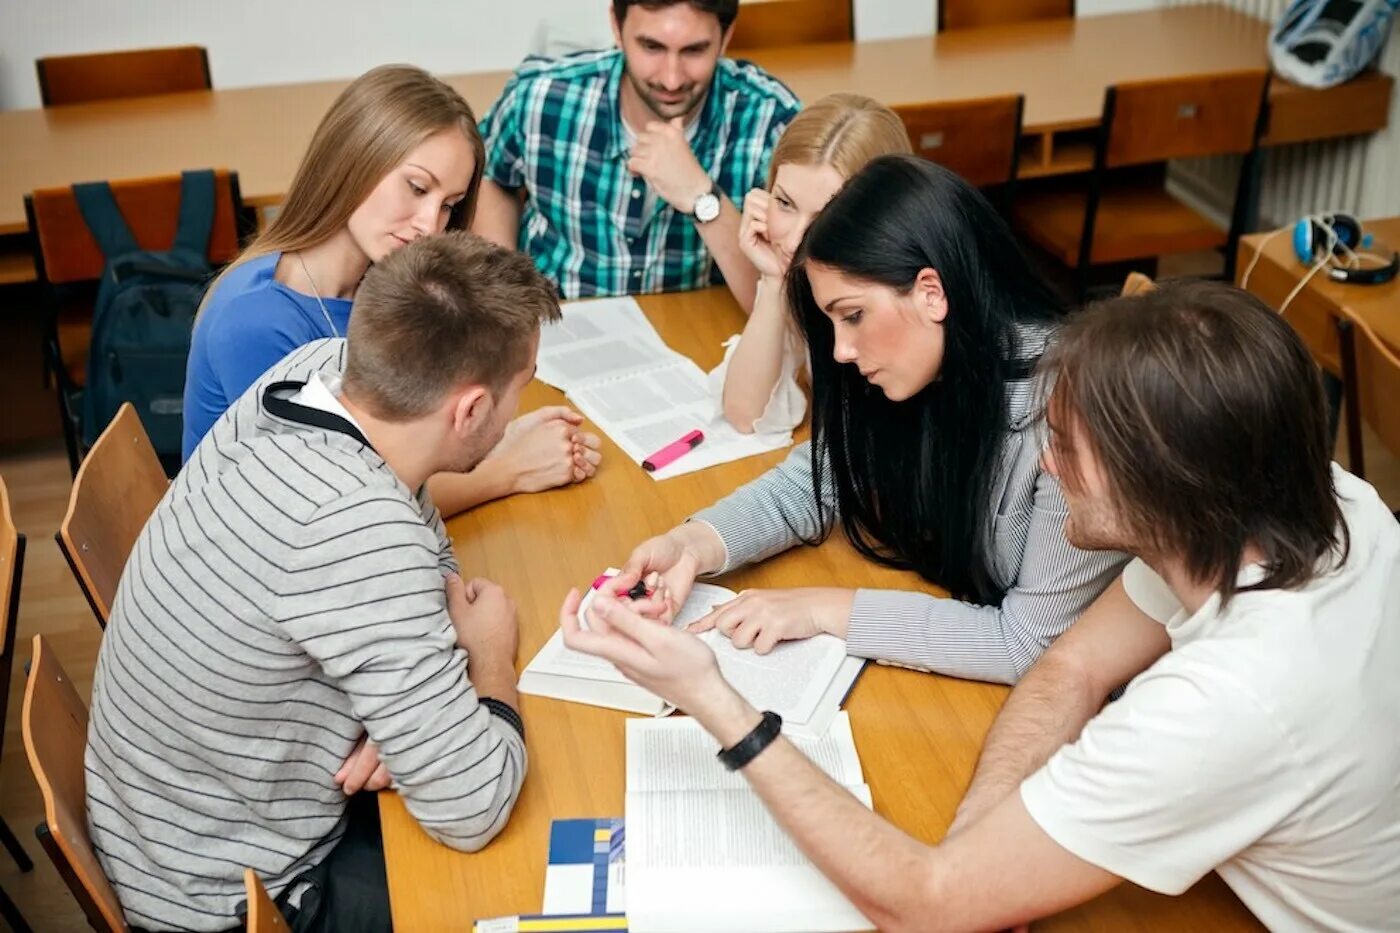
[746, 749]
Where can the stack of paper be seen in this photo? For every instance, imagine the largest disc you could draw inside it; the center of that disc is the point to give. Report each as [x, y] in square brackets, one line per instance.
[612, 364]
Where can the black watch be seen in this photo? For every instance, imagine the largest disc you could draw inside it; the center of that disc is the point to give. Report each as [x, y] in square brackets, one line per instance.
[746, 749]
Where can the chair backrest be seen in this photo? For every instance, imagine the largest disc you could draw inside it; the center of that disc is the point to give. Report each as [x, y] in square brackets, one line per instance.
[114, 493]
[1136, 283]
[65, 251]
[1177, 118]
[1371, 380]
[55, 736]
[77, 79]
[969, 14]
[263, 915]
[978, 139]
[11, 575]
[767, 23]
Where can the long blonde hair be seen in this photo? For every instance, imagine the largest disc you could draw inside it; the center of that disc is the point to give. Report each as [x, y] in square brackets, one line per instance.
[844, 131]
[374, 124]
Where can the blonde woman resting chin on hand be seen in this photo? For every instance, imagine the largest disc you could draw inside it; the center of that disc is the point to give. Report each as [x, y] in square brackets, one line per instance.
[824, 145]
[397, 157]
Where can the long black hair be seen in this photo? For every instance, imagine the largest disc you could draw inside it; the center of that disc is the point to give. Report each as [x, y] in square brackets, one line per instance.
[913, 479]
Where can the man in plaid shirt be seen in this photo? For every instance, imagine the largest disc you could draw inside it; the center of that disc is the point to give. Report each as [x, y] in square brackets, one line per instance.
[619, 170]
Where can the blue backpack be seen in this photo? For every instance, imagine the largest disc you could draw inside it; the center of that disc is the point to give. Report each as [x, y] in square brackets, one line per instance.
[144, 315]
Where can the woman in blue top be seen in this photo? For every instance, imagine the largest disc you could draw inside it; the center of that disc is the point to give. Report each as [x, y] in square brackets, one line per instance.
[396, 157]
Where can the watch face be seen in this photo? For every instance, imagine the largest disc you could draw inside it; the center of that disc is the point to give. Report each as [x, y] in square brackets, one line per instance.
[706, 208]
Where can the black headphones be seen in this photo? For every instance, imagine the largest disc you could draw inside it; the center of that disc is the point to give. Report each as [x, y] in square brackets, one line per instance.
[1326, 238]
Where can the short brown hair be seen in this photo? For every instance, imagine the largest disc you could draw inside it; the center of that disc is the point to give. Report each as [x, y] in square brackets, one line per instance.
[1206, 413]
[726, 11]
[442, 312]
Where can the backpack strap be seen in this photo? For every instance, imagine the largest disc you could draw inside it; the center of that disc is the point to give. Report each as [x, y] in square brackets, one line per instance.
[196, 212]
[104, 219]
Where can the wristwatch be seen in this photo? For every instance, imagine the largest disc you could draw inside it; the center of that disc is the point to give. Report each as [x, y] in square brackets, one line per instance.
[707, 205]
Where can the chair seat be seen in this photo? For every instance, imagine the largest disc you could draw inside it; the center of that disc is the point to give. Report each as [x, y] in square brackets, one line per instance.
[1135, 221]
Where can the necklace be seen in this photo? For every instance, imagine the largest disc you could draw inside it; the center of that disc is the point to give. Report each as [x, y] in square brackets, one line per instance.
[317, 293]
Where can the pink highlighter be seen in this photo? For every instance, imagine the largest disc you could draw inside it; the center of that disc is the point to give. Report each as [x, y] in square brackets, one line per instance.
[673, 451]
[638, 591]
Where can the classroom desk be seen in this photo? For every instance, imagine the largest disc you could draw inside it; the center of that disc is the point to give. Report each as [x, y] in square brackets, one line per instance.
[1062, 66]
[1315, 309]
[918, 735]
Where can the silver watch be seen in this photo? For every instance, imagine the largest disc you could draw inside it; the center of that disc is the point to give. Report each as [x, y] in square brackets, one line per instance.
[707, 205]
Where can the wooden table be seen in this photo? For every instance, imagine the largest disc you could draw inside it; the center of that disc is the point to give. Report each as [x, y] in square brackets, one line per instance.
[1062, 66]
[1315, 309]
[918, 735]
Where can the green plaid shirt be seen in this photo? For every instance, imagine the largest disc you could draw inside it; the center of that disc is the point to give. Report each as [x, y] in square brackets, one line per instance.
[557, 132]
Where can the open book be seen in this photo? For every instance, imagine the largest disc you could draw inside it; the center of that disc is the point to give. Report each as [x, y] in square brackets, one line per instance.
[704, 854]
[805, 682]
[605, 355]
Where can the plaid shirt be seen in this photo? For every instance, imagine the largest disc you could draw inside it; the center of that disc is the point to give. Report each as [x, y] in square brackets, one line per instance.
[557, 131]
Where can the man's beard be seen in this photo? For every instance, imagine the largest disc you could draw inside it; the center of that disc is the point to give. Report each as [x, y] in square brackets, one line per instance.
[1088, 530]
[663, 111]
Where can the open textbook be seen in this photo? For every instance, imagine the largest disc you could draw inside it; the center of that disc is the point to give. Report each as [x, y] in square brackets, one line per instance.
[805, 681]
[611, 363]
[704, 854]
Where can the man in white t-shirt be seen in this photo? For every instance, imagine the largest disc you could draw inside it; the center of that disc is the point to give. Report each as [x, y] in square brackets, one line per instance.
[1258, 634]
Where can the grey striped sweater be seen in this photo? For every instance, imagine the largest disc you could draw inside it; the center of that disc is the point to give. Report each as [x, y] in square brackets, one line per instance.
[285, 598]
[1049, 581]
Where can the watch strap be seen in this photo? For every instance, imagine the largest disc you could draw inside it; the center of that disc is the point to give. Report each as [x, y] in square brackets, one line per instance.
[747, 749]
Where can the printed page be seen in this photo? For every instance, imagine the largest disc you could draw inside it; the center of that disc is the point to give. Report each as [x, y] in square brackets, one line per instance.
[677, 754]
[790, 680]
[644, 411]
[595, 340]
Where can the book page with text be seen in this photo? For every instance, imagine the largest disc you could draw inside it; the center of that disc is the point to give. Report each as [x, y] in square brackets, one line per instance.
[599, 339]
[677, 754]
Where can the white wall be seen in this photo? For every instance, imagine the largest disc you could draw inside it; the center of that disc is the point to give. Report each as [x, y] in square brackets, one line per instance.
[277, 41]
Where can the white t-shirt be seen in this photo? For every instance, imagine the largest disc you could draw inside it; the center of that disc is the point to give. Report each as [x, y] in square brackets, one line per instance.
[1265, 744]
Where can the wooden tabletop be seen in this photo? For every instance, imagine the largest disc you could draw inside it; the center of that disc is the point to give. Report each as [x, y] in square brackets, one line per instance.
[1315, 308]
[1062, 66]
[918, 735]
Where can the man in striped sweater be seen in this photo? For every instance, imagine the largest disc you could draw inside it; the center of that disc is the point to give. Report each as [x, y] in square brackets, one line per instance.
[291, 619]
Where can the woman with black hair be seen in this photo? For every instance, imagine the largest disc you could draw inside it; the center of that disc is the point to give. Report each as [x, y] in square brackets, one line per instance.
[924, 322]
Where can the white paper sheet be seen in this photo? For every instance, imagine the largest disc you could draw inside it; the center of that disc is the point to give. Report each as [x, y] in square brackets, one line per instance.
[605, 355]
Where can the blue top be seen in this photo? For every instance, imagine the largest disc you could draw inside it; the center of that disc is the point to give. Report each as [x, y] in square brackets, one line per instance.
[248, 324]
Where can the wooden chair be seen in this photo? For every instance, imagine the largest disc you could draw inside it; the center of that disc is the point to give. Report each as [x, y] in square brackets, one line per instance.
[263, 915]
[11, 573]
[766, 23]
[978, 139]
[970, 14]
[1370, 388]
[77, 79]
[68, 263]
[1117, 215]
[55, 737]
[113, 495]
